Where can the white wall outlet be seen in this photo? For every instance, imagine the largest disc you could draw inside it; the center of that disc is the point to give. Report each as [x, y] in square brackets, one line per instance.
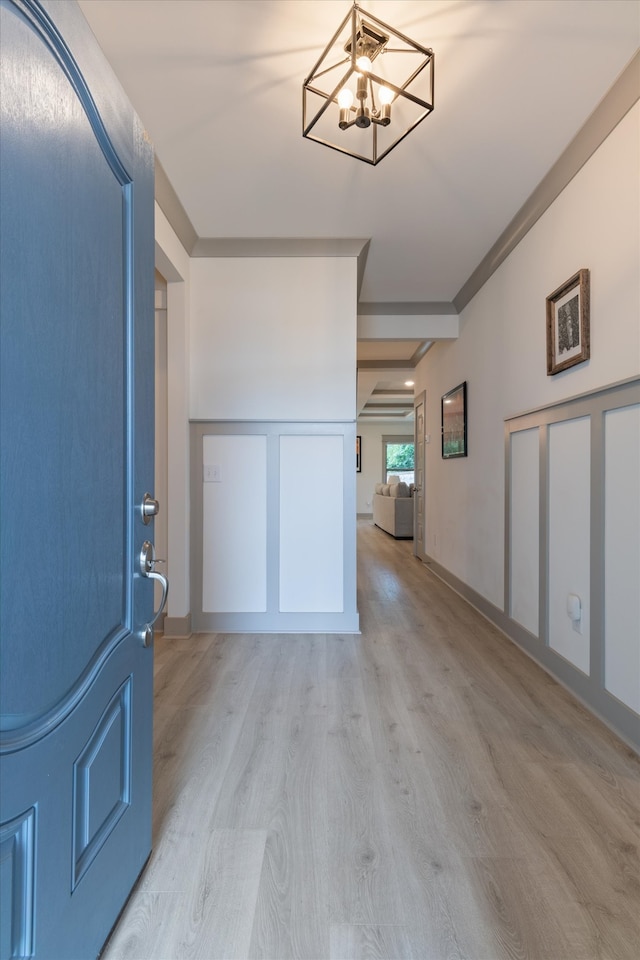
[574, 611]
[211, 473]
[574, 607]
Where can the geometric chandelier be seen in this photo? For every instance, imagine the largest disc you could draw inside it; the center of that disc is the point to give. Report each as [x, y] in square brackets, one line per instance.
[370, 88]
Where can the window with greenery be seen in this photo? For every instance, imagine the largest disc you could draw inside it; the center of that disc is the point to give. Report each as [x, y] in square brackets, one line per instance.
[398, 459]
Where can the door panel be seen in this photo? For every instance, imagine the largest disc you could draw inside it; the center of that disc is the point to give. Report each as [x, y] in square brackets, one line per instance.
[76, 394]
[76, 335]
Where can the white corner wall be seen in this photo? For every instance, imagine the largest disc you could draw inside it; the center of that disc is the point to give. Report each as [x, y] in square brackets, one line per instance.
[273, 339]
[273, 362]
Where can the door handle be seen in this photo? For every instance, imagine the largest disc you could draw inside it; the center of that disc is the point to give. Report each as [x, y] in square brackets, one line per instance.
[147, 564]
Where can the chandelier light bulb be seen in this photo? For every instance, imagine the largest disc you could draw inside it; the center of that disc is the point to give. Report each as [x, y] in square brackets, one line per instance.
[345, 98]
[363, 64]
[385, 94]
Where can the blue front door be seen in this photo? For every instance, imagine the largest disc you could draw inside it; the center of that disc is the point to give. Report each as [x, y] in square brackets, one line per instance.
[76, 408]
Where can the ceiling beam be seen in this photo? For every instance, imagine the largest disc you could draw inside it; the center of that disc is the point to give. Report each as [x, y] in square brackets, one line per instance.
[385, 365]
[403, 308]
[408, 392]
[443, 326]
[420, 352]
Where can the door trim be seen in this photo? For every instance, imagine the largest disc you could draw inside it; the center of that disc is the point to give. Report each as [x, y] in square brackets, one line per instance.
[417, 446]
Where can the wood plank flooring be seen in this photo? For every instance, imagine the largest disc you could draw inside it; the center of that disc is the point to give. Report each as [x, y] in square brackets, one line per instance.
[421, 791]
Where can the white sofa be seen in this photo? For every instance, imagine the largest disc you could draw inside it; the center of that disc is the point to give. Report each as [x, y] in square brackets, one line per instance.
[393, 508]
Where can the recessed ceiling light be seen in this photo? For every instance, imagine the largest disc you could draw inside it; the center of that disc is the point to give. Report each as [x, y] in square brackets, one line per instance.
[409, 383]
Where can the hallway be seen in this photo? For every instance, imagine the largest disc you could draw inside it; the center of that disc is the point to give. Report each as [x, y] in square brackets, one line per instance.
[422, 790]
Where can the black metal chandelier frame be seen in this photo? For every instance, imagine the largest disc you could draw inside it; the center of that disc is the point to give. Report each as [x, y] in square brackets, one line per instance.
[369, 37]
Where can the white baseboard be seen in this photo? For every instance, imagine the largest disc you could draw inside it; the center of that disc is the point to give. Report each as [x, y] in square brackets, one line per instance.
[177, 627]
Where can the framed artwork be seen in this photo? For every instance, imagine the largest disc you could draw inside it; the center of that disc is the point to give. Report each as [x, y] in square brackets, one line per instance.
[454, 422]
[358, 454]
[568, 324]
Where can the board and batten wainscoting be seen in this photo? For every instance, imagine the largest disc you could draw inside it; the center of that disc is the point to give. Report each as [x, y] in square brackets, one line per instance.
[572, 516]
[572, 523]
[273, 527]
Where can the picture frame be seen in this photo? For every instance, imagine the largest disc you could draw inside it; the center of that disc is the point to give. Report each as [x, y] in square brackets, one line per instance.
[358, 454]
[454, 422]
[568, 336]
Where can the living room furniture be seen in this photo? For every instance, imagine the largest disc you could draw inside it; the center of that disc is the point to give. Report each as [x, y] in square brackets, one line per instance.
[393, 508]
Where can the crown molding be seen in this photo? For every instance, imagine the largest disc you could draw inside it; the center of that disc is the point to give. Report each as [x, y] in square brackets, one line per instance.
[356, 247]
[614, 106]
[168, 201]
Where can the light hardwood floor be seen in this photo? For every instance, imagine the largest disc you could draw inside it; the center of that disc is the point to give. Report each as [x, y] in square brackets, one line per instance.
[420, 791]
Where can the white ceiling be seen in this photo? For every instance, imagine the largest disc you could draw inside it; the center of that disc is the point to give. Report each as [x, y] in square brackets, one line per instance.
[218, 85]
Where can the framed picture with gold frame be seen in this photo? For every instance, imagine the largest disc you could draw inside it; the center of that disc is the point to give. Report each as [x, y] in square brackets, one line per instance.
[568, 340]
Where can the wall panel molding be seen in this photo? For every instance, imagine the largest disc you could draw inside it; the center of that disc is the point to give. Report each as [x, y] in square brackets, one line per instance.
[274, 619]
[589, 687]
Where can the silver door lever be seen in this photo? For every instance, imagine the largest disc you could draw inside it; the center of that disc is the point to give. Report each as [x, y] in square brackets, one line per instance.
[147, 564]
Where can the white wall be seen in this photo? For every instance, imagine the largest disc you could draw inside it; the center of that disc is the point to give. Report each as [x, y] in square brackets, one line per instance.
[273, 347]
[273, 339]
[371, 457]
[501, 351]
[260, 339]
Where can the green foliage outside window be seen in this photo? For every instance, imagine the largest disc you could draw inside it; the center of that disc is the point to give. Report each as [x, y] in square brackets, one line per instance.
[399, 456]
